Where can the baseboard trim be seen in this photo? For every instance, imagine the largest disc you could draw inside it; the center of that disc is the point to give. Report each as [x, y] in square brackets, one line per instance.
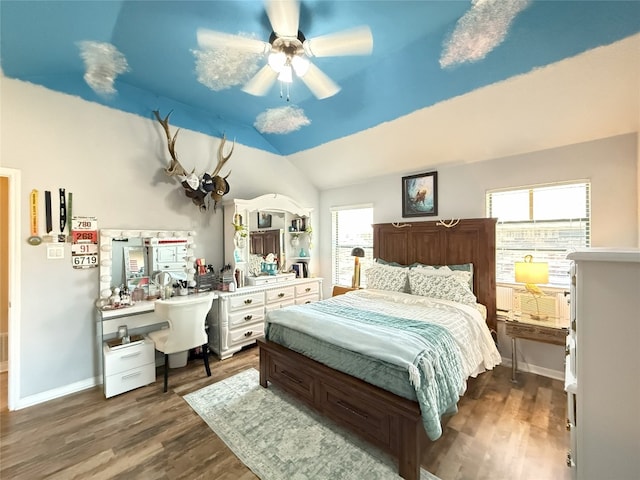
[57, 392]
[530, 368]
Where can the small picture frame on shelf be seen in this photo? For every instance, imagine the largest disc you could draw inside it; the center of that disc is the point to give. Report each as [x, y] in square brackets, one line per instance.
[264, 220]
[297, 268]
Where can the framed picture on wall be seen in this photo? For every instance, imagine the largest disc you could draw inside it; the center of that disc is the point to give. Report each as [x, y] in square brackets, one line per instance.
[264, 220]
[420, 195]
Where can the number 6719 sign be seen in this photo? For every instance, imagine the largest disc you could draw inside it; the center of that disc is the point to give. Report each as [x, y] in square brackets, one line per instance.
[84, 242]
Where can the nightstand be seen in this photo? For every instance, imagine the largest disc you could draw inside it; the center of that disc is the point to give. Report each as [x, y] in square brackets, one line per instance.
[553, 331]
[339, 290]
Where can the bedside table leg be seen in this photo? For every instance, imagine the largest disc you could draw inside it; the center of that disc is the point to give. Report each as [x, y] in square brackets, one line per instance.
[514, 360]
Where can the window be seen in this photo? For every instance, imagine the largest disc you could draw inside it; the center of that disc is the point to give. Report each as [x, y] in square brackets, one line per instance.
[350, 227]
[546, 221]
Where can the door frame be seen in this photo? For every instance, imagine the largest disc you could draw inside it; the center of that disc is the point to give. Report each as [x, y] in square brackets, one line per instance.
[14, 284]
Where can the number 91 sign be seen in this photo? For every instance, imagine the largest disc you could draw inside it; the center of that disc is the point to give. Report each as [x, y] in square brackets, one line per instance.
[84, 238]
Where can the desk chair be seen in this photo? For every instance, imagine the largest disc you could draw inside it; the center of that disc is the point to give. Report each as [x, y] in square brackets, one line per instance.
[187, 317]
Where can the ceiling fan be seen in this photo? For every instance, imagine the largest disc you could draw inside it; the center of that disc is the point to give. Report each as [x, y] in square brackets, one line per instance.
[288, 51]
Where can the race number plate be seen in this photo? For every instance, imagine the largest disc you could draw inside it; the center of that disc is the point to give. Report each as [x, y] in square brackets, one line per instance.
[84, 242]
[84, 255]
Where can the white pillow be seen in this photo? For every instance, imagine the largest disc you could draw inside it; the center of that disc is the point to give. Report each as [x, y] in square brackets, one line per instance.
[437, 284]
[386, 277]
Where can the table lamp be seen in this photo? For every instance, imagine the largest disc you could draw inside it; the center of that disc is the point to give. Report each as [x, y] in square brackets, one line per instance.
[532, 273]
[357, 253]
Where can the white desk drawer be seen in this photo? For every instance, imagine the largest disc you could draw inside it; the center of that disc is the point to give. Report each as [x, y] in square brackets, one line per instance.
[246, 316]
[245, 301]
[245, 334]
[280, 294]
[126, 358]
[130, 379]
[307, 289]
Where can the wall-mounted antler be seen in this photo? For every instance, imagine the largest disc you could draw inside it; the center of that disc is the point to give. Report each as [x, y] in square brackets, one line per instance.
[196, 188]
[175, 168]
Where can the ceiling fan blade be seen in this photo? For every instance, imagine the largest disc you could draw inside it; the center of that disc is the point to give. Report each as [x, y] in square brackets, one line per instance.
[212, 39]
[319, 83]
[284, 16]
[261, 82]
[356, 41]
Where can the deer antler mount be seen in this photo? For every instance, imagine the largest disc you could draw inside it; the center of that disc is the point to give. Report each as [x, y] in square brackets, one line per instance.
[200, 189]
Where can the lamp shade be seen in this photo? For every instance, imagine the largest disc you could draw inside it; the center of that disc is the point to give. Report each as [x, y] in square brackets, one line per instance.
[532, 272]
[357, 252]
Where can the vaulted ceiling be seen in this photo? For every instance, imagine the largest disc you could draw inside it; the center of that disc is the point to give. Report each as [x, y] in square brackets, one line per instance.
[424, 53]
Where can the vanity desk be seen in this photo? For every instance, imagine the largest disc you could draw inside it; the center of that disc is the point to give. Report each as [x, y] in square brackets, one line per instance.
[132, 258]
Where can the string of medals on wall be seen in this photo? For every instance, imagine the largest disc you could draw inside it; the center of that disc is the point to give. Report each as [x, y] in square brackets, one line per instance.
[82, 231]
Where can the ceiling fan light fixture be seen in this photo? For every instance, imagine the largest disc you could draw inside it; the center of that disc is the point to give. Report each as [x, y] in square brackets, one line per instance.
[277, 61]
[286, 74]
[300, 64]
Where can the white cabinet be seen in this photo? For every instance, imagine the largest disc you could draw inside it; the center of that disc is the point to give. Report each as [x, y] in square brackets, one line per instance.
[602, 379]
[237, 318]
[128, 367]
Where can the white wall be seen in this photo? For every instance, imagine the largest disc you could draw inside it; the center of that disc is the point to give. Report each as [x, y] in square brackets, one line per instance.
[112, 163]
[610, 164]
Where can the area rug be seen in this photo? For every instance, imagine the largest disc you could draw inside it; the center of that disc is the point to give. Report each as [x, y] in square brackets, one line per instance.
[280, 439]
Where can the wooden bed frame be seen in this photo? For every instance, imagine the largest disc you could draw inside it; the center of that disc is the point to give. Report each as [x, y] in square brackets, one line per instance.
[386, 420]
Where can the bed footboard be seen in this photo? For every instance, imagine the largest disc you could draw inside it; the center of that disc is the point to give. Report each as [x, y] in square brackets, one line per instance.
[388, 421]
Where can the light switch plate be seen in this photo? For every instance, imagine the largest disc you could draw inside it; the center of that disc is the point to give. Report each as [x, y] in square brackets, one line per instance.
[55, 251]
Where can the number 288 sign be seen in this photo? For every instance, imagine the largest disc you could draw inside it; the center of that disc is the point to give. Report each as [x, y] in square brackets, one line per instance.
[84, 243]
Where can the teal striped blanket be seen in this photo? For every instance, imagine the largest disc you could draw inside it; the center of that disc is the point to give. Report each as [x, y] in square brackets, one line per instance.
[428, 352]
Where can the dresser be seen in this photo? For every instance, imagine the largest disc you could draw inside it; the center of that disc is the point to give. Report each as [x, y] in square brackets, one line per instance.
[237, 318]
[603, 363]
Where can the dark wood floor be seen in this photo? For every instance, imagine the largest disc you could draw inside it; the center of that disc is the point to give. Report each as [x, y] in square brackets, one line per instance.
[502, 431]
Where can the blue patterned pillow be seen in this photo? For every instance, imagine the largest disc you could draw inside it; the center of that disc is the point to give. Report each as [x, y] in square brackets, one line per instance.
[386, 277]
[436, 283]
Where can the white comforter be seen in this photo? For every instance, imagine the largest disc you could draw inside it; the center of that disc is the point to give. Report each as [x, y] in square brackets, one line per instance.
[479, 352]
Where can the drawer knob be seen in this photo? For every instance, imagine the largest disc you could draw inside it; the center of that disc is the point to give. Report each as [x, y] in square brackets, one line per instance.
[567, 351]
[248, 301]
[248, 334]
[308, 289]
[280, 295]
[248, 317]
[568, 425]
[569, 458]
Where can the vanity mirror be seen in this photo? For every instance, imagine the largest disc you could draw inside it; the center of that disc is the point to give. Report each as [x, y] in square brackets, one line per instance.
[273, 224]
[129, 257]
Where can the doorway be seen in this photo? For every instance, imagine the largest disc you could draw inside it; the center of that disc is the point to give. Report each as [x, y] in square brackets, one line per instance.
[9, 286]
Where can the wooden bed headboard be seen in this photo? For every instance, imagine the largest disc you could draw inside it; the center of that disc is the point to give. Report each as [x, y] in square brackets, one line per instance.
[469, 241]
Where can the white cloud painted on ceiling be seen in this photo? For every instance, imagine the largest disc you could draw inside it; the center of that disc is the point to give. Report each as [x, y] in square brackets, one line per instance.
[281, 120]
[103, 63]
[480, 30]
[219, 69]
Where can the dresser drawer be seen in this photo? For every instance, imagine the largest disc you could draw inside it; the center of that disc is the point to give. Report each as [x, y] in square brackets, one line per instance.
[307, 289]
[280, 294]
[246, 316]
[241, 335]
[125, 358]
[237, 302]
[281, 304]
[129, 379]
[307, 299]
